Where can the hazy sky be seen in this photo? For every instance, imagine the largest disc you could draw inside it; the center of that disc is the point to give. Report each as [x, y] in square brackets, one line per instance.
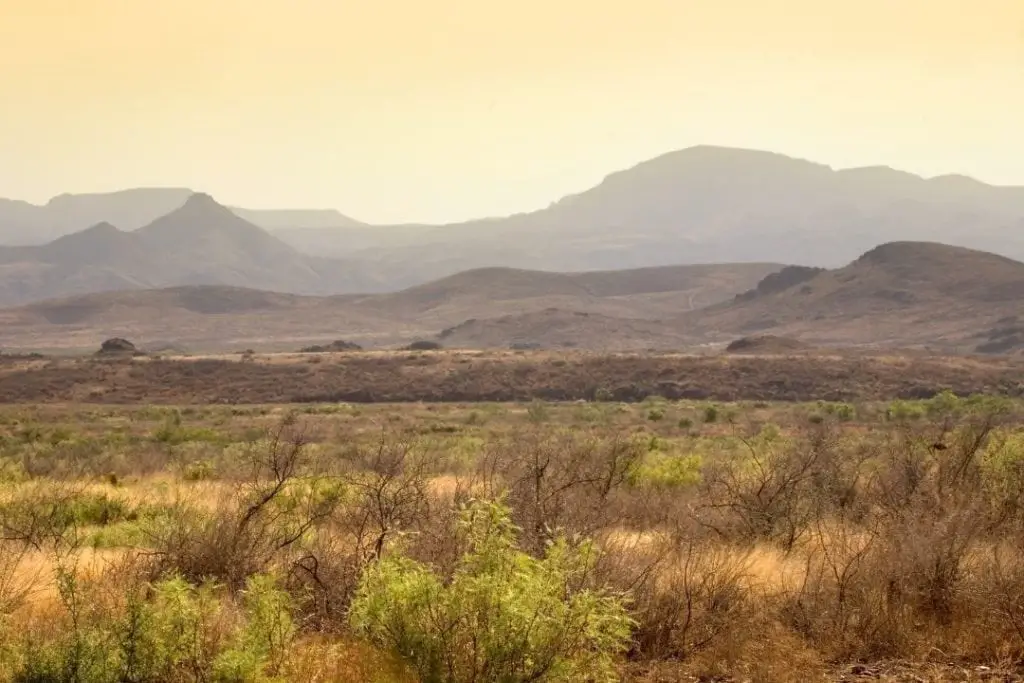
[393, 110]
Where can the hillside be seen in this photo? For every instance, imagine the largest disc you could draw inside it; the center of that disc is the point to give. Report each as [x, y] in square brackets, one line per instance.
[906, 293]
[193, 317]
[200, 242]
[713, 282]
[627, 304]
[555, 328]
[899, 294]
[297, 219]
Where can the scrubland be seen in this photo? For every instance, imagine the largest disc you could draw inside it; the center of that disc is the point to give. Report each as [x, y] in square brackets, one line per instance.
[504, 543]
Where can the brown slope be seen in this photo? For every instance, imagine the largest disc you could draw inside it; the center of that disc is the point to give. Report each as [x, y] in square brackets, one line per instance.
[204, 317]
[906, 293]
[556, 328]
[631, 293]
[209, 315]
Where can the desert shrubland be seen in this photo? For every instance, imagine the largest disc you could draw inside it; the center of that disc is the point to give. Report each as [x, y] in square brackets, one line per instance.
[505, 542]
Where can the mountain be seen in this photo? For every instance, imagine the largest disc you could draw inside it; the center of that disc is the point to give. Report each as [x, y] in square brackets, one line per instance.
[200, 242]
[899, 293]
[297, 219]
[22, 223]
[698, 205]
[614, 310]
[705, 205]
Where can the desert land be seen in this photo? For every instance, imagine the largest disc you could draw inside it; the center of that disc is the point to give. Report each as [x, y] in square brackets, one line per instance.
[265, 445]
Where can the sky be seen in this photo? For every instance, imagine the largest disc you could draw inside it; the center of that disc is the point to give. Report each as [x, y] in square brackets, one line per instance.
[439, 110]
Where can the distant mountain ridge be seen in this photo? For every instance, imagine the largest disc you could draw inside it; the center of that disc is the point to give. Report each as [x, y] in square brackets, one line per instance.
[706, 205]
[198, 243]
[703, 204]
[22, 223]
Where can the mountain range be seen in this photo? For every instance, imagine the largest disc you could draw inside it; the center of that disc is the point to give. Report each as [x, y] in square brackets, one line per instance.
[22, 223]
[706, 205]
[200, 242]
[698, 205]
[692, 248]
[921, 295]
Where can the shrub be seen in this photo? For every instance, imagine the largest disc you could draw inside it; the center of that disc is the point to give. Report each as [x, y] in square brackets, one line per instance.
[668, 471]
[537, 412]
[253, 527]
[167, 631]
[501, 617]
[711, 414]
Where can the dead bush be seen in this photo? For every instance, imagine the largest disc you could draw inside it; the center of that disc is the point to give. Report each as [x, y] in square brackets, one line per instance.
[1001, 579]
[771, 491]
[696, 597]
[560, 482]
[253, 527]
[383, 500]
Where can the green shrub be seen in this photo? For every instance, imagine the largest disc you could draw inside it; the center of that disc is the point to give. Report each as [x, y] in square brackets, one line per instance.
[711, 414]
[98, 509]
[538, 412]
[169, 631]
[903, 411]
[259, 649]
[503, 616]
[668, 471]
[174, 433]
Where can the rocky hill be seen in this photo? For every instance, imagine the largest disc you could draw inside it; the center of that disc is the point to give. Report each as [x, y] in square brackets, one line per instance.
[899, 293]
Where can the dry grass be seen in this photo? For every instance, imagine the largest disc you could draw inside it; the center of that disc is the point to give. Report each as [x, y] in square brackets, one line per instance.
[802, 540]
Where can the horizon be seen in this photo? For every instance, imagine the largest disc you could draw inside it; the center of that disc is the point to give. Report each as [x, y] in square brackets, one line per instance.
[397, 112]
